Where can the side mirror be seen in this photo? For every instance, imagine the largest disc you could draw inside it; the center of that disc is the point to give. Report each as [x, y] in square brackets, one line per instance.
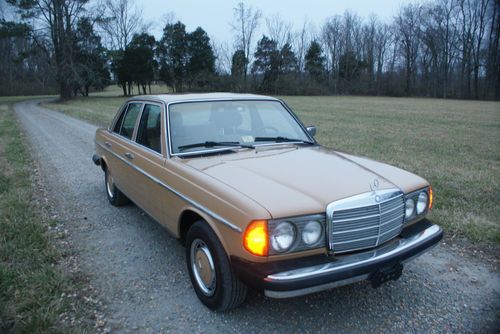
[312, 130]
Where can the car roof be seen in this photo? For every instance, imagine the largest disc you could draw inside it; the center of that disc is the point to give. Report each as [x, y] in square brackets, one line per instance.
[168, 98]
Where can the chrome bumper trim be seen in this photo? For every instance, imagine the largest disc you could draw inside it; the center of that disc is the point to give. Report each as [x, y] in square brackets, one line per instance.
[313, 289]
[347, 262]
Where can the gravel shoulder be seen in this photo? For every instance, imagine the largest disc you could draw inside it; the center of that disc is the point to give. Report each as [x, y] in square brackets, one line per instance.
[138, 269]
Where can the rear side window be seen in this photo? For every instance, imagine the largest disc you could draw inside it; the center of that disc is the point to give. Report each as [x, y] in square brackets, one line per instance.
[128, 123]
[119, 121]
[149, 131]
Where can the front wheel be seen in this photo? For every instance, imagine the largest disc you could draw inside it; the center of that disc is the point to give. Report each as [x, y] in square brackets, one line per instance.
[212, 276]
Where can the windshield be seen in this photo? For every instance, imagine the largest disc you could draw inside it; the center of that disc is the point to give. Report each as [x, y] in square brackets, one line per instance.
[209, 125]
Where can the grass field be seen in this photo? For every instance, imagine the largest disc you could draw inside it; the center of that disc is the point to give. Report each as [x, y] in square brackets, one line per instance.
[30, 282]
[454, 144]
[100, 107]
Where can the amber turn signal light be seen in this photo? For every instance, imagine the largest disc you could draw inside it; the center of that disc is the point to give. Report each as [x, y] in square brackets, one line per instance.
[255, 239]
[431, 198]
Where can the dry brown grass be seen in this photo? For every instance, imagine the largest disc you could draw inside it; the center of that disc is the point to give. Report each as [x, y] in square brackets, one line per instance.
[452, 143]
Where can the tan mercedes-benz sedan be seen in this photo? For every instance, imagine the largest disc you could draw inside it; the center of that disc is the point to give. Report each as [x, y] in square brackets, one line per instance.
[256, 201]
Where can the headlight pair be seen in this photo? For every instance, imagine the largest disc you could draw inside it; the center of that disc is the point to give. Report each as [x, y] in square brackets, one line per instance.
[295, 234]
[417, 203]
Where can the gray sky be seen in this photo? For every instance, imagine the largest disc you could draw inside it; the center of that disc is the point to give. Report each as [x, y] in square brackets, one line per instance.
[214, 15]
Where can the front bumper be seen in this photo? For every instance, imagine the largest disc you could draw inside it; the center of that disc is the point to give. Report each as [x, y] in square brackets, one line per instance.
[290, 278]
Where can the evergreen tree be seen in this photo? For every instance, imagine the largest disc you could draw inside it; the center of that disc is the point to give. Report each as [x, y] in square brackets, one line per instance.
[173, 55]
[90, 59]
[349, 67]
[267, 63]
[139, 56]
[201, 64]
[315, 61]
[238, 64]
[288, 60]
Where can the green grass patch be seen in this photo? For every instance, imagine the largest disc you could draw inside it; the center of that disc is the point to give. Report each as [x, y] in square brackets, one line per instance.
[454, 144]
[31, 285]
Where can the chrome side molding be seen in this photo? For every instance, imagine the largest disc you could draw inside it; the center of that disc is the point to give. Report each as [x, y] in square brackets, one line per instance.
[184, 197]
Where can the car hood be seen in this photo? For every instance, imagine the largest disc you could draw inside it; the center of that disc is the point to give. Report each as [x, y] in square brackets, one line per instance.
[290, 180]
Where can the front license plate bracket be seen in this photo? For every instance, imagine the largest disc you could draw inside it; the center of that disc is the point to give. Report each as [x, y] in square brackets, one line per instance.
[381, 276]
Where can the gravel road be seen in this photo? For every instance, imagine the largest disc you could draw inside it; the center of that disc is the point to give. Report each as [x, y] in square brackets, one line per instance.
[140, 274]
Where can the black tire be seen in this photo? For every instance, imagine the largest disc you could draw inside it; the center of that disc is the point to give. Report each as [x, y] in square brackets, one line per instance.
[228, 291]
[115, 196]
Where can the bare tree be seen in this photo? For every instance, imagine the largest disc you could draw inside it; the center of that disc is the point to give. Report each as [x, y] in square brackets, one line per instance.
[279, 30]
[480, 11]
[408, 26]
[450, 34]
[223, 54]
[466, 46]
[302, 39]
[369, 31]
[121, 20]
[246, 21]
[2, 9]
[383, 39]
[493, 54]
[58, 19]
[169, 18]
[331, 32]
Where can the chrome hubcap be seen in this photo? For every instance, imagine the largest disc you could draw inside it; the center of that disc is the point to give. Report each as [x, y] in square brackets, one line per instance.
[109, 185]
[203, 268]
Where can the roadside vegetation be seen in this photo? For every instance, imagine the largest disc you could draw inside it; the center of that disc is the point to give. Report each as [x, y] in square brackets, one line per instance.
[440, 48]
[453, 144]
[31, 283]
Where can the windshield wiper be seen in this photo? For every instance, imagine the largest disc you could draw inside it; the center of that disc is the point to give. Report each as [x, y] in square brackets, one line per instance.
[283, 140]
[214, 144]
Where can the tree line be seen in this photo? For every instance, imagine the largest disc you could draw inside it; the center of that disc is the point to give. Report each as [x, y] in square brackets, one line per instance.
[441, 48]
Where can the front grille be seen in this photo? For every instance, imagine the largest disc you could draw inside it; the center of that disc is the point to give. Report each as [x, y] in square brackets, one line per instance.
[365, 221]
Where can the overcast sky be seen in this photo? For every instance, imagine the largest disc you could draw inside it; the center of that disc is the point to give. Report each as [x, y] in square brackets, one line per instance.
[215, 15]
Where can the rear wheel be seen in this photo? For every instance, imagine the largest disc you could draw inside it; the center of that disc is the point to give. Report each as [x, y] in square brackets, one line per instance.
[115, 196]
[212, 276]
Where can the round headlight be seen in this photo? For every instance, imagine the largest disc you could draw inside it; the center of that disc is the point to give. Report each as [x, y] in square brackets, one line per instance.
[422, 201]
[409, 208]
[283, 236]
[311, 232]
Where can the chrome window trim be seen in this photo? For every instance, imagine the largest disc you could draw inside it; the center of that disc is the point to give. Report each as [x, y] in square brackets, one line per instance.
[135, 144]
[162, 109]
[121, 110]
[304, 128]
[136, 121]
[214, 150]
[184, 197]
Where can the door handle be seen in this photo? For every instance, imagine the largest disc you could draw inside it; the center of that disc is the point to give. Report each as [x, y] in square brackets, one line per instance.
[107, 143]
[129, 155]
